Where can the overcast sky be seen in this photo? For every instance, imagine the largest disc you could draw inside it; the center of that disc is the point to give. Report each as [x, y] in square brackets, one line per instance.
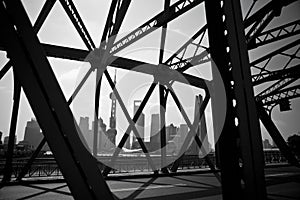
[132, 86]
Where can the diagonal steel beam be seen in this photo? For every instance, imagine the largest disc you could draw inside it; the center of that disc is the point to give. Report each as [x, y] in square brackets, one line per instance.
[49, 105]
[130, 121]
[190, 135]
[43, 15]
[159, 20]
[37, 26]
[291, 72]
[31, 159]
[275, 88]
[276, 34]
[261, 13]
[276, 136]
[274, 53]
[284, 94]
[129, 129]
[74, 16]
[5, 69]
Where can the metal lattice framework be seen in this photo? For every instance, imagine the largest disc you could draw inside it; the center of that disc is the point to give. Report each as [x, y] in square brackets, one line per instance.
[231, 37]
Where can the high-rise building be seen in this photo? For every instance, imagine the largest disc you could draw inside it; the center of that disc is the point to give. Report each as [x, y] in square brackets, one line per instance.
[1, 137]
[86, 132]
[182, 133]
[171, 132]
[155, 132]
[194, 148]
[266, 144]
[127, 144]
[33, 135]
[140, 124]
[104, 143]
[84, 124]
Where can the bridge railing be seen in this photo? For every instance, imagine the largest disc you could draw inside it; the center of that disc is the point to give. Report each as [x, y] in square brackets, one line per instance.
[47, 167]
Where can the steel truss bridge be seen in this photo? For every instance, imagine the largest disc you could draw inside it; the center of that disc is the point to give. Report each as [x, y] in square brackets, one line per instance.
[232, 36]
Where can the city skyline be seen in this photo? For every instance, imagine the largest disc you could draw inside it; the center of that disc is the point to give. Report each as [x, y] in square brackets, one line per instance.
[67, 71]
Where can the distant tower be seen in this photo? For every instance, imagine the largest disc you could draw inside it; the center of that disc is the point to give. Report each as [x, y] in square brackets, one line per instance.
[112, 132]
[140, 124]
[154, 132]
[84, 127]
[33, 134]
[112, 119]
[194, 149]
[1, 137]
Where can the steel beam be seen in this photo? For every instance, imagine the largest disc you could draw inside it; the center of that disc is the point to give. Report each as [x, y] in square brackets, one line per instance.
[43, 15]
[199, 116]
[226, 144]
[275, 52]
[129, 129]
[12, 132]
[163, 96]
[74, 16]
[159, 20]
[229, 51]
[31, 159]
[284, 94]
[262, 12]
[276, 136]
[291, 72]
[111, 30]
[37, 26]
[131, 122]
[276, 34]
[5, 69]
[274, 88]
[49, 105]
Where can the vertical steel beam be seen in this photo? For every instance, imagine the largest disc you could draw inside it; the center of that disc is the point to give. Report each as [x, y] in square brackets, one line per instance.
[226, 144]
[228, 44]
[163, 97]
[49, 105]
[12, 132]
[163, 139]
[247, 118]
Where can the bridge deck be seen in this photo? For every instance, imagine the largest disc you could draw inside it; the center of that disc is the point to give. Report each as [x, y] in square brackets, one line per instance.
[282, 183]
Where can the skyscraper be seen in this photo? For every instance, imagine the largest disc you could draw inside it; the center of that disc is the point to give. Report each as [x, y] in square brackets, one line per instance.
[182, 133]
[194, 149]
[1, 137]
[33, 133]
[104, 144]
[171, 132]
[112, 131]
[87, 134]
[201, 131]
[140, 124]
[155, 132]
